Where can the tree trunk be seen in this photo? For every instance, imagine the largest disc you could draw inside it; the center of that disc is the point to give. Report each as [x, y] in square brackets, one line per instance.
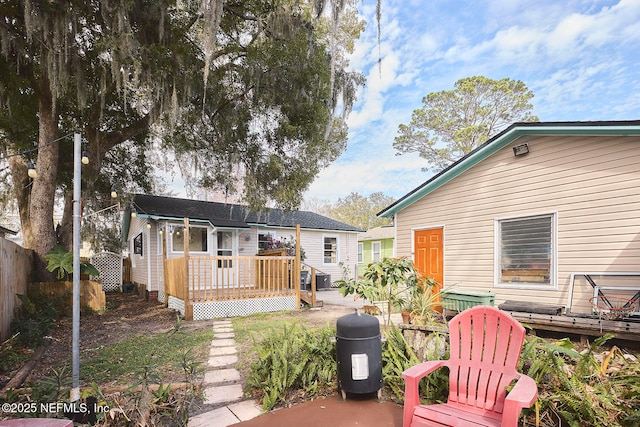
[21, 187]
[44, 185]
[65, 231]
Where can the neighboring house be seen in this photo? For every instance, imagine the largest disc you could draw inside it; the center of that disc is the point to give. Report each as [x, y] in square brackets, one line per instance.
[374, 245]
[219, 229]
[528, 211]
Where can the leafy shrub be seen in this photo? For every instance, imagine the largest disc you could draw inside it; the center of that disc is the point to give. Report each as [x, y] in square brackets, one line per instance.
[10, 356]
[291, 360]
[397, 356]
[565, 377]
[61, 260]
[33, 319]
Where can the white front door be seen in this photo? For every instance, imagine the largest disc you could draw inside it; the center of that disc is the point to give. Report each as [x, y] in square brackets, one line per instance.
[225, 247]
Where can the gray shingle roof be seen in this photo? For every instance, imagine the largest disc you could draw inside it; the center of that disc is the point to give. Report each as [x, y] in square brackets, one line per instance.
[230, 215]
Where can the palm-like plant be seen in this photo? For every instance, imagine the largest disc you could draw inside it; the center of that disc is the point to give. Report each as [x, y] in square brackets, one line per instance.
[61, 260]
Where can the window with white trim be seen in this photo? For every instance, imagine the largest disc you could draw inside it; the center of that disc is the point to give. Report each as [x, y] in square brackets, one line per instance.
[198, 239]
[375, 251]
[360, 253]
[525, 248]
[330, 250]
[266, 240]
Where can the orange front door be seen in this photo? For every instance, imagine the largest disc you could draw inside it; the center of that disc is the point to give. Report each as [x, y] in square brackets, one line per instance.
[428, 253]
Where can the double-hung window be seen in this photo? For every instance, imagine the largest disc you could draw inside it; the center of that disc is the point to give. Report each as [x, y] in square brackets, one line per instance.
[330, 250]
[525, 251]
[375, 251]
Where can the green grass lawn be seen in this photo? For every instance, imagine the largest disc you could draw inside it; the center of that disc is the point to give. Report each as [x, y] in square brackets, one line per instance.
[159, 355]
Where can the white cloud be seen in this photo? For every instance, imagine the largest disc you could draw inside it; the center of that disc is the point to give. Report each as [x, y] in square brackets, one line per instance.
[580, 58]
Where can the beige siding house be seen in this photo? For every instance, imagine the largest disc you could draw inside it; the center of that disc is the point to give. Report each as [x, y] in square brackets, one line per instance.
[531, 210]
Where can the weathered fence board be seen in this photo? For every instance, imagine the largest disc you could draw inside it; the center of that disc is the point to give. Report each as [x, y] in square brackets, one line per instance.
[15, 268]
[91, 293]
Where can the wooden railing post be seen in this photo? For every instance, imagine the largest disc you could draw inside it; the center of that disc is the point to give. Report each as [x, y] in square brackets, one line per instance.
[313, 287]
[165, 273]
[296, 268]
[188, 307]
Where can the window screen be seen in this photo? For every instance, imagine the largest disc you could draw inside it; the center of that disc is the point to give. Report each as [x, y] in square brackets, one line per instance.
[330, 250]
[526, 245]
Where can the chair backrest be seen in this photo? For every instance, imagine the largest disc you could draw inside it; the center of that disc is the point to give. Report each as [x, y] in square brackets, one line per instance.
[485, 348]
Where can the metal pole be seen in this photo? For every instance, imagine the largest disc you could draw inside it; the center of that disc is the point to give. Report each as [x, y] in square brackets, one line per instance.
[75, 369]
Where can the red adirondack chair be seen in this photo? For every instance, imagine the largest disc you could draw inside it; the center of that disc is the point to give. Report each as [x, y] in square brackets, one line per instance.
[485, 349]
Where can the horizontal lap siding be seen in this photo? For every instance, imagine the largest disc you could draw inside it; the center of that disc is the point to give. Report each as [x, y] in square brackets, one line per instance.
[592, 183]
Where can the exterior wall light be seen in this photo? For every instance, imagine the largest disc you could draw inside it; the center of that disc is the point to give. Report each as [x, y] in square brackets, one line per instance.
[521, 150]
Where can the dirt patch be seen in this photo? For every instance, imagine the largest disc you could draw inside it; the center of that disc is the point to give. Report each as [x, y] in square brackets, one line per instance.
[127, 314]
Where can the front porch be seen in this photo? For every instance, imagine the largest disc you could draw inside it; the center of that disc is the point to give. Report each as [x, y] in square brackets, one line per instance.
[207, 287]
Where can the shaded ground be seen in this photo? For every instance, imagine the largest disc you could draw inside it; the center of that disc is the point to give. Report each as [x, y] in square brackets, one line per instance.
[127, 314]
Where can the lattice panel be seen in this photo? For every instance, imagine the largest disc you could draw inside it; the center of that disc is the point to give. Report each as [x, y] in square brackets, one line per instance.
[233, 308]
[110, 267]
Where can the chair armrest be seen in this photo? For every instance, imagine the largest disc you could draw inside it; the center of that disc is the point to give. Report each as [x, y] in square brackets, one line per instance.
[412, 377]
[523, 394]
[420, 370]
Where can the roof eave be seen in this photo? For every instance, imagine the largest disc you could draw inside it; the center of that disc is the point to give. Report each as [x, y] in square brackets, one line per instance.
[495, 144]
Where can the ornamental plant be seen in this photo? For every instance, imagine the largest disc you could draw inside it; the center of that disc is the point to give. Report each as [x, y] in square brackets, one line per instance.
[61, 260]
[395, 280]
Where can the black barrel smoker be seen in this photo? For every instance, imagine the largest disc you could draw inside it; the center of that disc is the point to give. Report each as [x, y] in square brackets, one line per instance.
[359, 354]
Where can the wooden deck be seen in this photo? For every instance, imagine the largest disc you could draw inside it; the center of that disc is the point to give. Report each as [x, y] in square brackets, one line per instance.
[626, 329]
[223, 285]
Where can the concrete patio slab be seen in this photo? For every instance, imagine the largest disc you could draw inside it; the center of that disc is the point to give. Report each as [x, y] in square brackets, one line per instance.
[220, 361]
[222, 351]
[223, 394]
[219, 342]
[245, 410]
[221, 376]
[225, 335]
[222, 330]
[221, 417]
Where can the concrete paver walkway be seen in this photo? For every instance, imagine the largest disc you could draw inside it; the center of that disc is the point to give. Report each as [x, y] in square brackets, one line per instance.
[224, 399]
[224, 403]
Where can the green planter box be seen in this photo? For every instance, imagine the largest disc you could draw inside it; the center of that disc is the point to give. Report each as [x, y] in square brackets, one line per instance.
[461, 299]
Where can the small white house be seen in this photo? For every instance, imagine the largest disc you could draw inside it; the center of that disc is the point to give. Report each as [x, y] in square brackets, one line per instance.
[230, 230]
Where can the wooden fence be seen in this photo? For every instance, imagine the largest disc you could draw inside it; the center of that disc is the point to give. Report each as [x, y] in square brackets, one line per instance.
[91, 293]
[16, 264]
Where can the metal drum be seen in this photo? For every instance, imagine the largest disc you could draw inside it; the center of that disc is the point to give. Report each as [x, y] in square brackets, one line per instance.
[359, 354]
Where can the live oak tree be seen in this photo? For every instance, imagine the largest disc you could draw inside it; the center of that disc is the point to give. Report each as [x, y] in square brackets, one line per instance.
[256, 87]
[452, 123]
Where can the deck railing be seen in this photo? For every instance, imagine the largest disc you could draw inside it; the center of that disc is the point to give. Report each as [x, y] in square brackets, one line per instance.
[215, 278]
[219, 278]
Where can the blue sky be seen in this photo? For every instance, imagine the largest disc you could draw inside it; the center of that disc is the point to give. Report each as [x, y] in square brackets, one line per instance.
[580, 58]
